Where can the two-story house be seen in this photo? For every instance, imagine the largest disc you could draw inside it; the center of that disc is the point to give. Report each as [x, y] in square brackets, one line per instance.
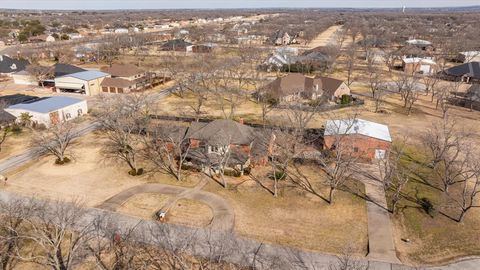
[126, 78]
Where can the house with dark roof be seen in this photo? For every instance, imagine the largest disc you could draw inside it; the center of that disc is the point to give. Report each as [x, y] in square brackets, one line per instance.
[49, 111]
[468, 72]
[225, 143]
[177, 45]
[295, 86]
[65, 69]
[9, 65]
[85, 82]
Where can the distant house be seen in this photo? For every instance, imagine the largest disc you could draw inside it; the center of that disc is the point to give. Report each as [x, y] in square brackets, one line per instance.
[297, 86]
[208, 143]
[363, 139]
[470, 56]
[50, 38]
[281, 37]
[24, 78]
[9, 65]
[121, 31]
[421, 44]
[37, 39]
[85, 82]
[413, 65]
[50, 110]
[177, 45]
[468, 72]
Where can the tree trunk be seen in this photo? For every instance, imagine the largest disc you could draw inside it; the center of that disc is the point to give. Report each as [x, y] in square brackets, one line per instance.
[330, 195]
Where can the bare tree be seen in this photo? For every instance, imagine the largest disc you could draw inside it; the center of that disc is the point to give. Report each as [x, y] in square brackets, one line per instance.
[5, 129]
[448, 147]
[40, 73]
[346, 261]
[376, 82]
[167, 149]
[351, 59]
[55, 141]
[467, 197]
[340, 159]
[12, 225]
[58, 234]
[124, 118]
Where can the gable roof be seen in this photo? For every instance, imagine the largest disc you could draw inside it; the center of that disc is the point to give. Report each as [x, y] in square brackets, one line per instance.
[296, 82]
[125, 70]
[471, 69]
[175, 44]
[358, 126]
[46, 105]
[65, 69]
[10, 65]
[221, 132]
[87, 75]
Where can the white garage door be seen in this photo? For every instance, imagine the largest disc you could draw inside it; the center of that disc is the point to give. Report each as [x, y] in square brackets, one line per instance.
[69, 85]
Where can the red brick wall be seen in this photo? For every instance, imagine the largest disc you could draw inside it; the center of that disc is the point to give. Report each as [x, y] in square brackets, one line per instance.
[194, 143]
[366, 145]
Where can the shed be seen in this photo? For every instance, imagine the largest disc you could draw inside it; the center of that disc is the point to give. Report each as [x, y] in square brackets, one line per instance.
[85, 82]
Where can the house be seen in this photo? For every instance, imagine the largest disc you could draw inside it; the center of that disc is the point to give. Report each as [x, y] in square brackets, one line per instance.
[177, 45]
[50, 38]
[363, 139]
[9, 65]
[24, 78]
[297, 86]
[121, 31]
[65, 69]
[49, 111]
[468, 72]
[209, 143]
[126, 78]
[413, 65]
[421, 44]
[37, 39]
[470, 56]
[84, 82]
[281, 37]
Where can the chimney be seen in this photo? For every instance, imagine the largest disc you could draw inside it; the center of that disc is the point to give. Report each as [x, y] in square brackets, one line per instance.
[240, 121]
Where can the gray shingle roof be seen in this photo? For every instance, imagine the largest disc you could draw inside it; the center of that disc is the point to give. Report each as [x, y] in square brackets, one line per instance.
[221, 132]
[10, 65]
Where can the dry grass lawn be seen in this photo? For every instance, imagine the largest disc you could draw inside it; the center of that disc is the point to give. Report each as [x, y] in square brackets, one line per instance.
[15, 144]
[298, 220]
[184, 211]
[89, 177]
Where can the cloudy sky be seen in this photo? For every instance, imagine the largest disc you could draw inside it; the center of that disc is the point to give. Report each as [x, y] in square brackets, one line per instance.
[168, 4]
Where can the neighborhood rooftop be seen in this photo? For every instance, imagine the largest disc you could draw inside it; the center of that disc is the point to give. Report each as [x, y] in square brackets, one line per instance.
[358, 126]
[45, 105]
[87, 75]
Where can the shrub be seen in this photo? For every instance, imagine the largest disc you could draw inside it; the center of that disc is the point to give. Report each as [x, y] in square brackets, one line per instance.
[232, 173]
[16, 129]
[427, 206]
[61, 162]
[279, 175]
[346, 99]
[136, 172]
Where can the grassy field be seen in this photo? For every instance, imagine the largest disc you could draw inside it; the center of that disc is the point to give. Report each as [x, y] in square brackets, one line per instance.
[297, 219]
[16, 143]
[433, 238]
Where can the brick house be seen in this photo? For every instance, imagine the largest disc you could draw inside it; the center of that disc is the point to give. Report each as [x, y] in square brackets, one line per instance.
[227, 143]
[126, 78]
[366, 140]
[297, 86]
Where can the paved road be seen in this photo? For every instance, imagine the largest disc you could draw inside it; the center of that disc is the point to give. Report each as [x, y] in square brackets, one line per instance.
[223, 215]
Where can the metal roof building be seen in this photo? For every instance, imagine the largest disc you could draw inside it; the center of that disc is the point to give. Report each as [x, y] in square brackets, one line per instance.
[358, 126]
[48, 104]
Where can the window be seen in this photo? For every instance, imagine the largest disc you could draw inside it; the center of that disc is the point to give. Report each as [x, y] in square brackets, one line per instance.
[105, 89]
[80, 112]
[355, 149]
[380, 154]
[68, 116]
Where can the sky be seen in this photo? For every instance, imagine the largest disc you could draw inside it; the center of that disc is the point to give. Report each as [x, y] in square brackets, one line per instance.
[172, 4]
